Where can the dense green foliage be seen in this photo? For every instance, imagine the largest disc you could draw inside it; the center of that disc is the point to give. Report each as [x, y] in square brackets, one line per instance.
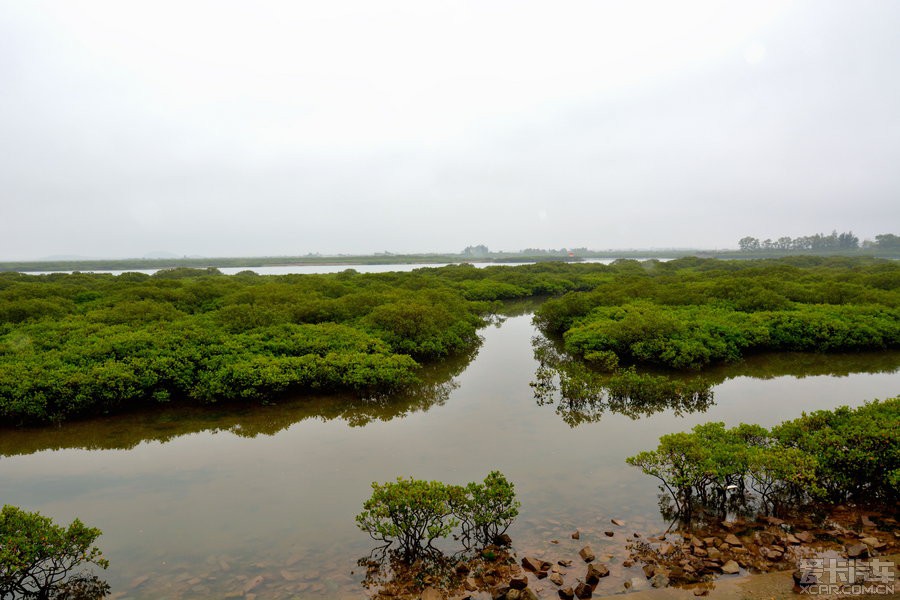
[832, 455]
[81, 343]
[690, 313]
[414, 513]
[37, 557]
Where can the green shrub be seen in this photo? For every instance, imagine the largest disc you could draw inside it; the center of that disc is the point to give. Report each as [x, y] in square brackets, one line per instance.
[37, 557]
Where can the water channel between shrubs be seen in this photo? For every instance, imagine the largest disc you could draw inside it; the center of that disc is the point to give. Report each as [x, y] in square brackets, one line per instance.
[261, 500]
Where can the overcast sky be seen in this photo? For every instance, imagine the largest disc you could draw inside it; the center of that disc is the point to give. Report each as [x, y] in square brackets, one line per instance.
[269, 128]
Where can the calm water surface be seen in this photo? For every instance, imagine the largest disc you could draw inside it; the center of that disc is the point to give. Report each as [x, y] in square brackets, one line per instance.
[197, 504]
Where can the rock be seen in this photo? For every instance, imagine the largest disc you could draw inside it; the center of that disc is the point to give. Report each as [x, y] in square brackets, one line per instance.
[564, 563]
[432, 594]
[714, 553]
[731, 568]
[804, 579]
[627, 563]
[576, 535]
[867, 522]
[519, 582]
[858, 551]
[793, 539]
[649, 571]
[700, 552]
[542, 574]
[532, 564]
[666, 549]
[773, 521]
[556, 578]
[512, 595]
[583, 590]
[618, 522]
[698, 543]
[470, 584]
[253, 584]
[701, 591]
[732, 540]
[529, 594]
[586, 554]
[870, 541]
[595, 573]
[566, 593]
[659, 581]
[805, 537]
[636, 534]
[609, 533]
[503, 540]
[710, 541]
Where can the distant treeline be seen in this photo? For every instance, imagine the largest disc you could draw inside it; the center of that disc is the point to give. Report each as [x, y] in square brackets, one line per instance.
[82, 344]
[820, 241]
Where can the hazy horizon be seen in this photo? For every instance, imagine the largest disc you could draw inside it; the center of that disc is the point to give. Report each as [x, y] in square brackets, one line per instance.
[283, 128]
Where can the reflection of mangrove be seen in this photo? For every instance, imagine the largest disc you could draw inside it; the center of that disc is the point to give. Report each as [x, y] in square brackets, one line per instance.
[163, 424]
[583, 396]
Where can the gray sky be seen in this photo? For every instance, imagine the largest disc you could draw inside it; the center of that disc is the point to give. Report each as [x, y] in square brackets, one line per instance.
[250, 128]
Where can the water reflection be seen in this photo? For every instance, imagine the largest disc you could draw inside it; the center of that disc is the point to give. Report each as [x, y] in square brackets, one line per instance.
[581, 395]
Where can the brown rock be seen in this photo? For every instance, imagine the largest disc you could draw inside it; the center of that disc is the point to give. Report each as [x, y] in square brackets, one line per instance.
[576, 535]
[732, 540]
[542, 574]
[583, 590]
[627, 563]
[618, 522]
[805, 537]
[714, 553]
[858, 551]
[532, 564]
[566, 593]
[700, 552]
[609, 533]
[793, 539]
[431, 594]
[556, 578]
[564, 563]
[666, 549]
[595, 573]
[519, 582]
[529, 594]
[649, 571]
[867, 522]
[470, 584]
[697, 542]
[586, 554]
[731, 568]
[701, 591]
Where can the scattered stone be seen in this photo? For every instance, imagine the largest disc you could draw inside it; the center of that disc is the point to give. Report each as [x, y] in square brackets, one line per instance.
[542, 574]
[666, 549]
[636, 534]
[564, 563]
[503, 540]
[529, 594]
[873, 542]
[804, 579]
[554, 541]
[576, 535]
[519, 582]
[618, 522]
[556, 578]
[511, 595]
[701, 591]
[732, 540]
[532, 564]
[595, 573]
[586, 554]
[583, 590]
[659, 581]
[609, 533]
[627, 563]
[566, 593]
[858, 551]
[700, 552]
[773, 521]
[805, 537]
[697, 542]
[714, 553]
[470, 584]
[731, 568]
[867, 522]
[649, 571]
[432, 594]
[793, 539]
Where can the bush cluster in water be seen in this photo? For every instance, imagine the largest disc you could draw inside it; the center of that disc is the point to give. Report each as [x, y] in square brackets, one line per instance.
[414, 513]
[688, 314]
[831, 455]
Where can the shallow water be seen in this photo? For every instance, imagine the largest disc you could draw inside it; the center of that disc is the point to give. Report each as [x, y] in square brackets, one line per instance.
[200, 503]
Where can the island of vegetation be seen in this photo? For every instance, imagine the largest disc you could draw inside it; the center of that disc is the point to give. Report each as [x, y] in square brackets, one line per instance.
[80, 344]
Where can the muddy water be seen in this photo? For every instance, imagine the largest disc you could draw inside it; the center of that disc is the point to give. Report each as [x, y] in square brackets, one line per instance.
[235, 502]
